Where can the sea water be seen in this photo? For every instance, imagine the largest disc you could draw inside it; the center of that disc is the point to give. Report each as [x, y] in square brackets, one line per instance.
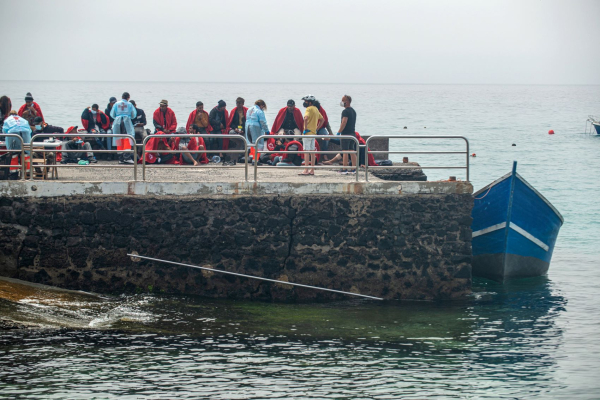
[535, 338]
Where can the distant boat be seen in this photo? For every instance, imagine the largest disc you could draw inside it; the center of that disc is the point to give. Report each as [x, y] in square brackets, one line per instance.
[514, 229]
[595, 122]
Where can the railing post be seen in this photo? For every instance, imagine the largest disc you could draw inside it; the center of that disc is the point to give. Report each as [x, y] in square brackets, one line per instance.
[357, 166]
[367, 159]
[467, 141]
[134, 160]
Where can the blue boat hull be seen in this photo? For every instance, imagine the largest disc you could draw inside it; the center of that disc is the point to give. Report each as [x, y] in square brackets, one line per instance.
[514, 230]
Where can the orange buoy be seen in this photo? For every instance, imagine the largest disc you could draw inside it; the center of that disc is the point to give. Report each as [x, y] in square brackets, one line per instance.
[551, 132]
[473, 155]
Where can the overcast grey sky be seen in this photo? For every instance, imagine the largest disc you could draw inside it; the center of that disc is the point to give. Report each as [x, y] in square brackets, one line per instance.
[357, 41]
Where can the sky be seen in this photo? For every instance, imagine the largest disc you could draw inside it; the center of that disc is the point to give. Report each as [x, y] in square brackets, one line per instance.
[316, 41]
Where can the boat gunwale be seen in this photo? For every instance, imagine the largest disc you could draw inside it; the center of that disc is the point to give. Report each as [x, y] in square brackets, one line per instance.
[508, 175]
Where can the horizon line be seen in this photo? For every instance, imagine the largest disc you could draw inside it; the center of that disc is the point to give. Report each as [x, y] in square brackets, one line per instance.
[305, 83]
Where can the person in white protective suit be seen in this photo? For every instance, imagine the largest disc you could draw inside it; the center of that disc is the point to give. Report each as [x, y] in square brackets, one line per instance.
[123, 112]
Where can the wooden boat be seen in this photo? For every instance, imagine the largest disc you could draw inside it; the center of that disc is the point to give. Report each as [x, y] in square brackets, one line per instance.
[514, 229]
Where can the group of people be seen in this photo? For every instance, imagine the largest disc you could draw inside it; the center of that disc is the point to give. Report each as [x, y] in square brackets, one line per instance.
[123, 117]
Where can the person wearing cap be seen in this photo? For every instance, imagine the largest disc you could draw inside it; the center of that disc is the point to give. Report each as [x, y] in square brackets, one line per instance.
[164, 118]
[109, 106]
[289, 120]
[199, 117]
[256, 123]
[347, 128]
[123, 112]
[217, 118]
[313, 121]
[40, 126]
[30, 109]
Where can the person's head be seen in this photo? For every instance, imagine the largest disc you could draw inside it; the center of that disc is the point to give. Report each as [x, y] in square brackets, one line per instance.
[133, 102]
[163, 105]
[38, 121]
[194, 129]
[95, 108]
[279, 142]
[291, 104]
[346, 100]
[12, 112]
[28, 99]
[125, 96]
[317, 104]
[309, 100]
[221, 105]
[199, 106]
[239, 102]
[112, 100]
[261, 103]
[180, 131]
[5, 105]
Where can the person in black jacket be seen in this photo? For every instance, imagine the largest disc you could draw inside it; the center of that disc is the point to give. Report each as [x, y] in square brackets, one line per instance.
[41, 127]
[218, 120]
[138, 124]
[109, 106]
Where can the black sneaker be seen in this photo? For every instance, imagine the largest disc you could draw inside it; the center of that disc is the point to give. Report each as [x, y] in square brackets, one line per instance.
[92, 160]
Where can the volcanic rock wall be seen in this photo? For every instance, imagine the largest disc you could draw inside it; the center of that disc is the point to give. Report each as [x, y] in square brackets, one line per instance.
[409, 246]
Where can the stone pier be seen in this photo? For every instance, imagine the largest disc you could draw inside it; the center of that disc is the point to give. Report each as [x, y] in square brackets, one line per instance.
[397, 240]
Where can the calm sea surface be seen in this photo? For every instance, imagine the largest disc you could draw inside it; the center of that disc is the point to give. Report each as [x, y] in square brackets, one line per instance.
[535, 338]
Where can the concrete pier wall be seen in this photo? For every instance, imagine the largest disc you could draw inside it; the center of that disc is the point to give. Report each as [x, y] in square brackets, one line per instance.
[399, 241]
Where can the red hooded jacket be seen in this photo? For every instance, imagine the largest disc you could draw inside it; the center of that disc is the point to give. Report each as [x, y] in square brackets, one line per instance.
[281, 117]
[37, 108]
[170, 116]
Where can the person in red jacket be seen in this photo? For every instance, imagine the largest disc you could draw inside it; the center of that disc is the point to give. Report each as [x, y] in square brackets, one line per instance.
[191, 144]
[95, 120]
[289, 120]
[236, 123]
[164, 118]
[30, 109]
[199, 117]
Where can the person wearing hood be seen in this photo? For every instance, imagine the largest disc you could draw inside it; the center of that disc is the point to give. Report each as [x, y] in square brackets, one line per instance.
[289, 120]
[164, 118]
[256, 123]
[123, 112]
[217, 118]
[30, 109]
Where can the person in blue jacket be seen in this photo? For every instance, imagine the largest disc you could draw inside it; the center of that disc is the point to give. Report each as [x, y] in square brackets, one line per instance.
[256, 123]
[19, 126]
[123, 112]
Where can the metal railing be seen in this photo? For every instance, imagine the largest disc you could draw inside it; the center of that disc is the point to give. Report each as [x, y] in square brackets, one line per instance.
[82, 135]
[243, 151]
[305, 166]
[367, 152]
[21, 151]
